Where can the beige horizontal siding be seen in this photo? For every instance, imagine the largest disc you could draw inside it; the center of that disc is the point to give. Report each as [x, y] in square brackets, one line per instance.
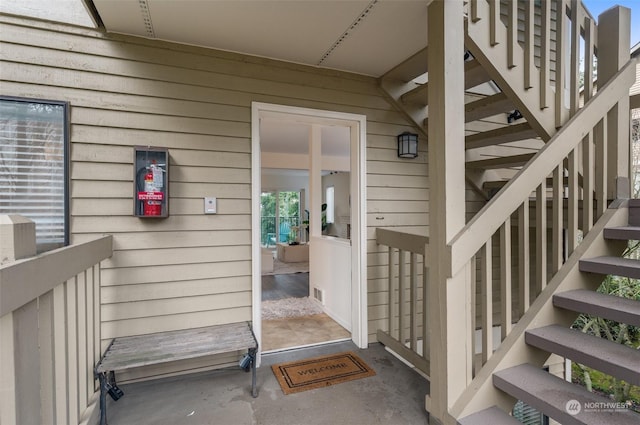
[168, 290]
[635, 88]
[178, 239]
[192, 270]
[189, 269]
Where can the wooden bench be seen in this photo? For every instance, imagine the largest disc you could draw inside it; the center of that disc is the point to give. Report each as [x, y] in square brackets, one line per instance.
[144, 350]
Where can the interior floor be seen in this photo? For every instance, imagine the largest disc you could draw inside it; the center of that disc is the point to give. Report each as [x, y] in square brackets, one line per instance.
[279, 286]
[280, 334]
[285, 333]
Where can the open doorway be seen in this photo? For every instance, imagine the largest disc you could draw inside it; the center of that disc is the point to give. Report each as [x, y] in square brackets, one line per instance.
[329, 228]
[293, 313]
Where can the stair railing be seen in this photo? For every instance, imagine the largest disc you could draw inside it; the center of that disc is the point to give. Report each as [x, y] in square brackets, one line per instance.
[549, 49]
[507, 278]
[406, 328]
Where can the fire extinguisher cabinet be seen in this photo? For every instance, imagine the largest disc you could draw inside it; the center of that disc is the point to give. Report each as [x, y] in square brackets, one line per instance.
[151, 178]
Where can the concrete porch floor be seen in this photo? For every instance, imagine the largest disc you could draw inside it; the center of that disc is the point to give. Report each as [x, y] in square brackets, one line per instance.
[394, 396]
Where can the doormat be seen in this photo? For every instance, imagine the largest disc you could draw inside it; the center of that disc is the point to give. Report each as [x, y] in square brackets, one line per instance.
[318, 372]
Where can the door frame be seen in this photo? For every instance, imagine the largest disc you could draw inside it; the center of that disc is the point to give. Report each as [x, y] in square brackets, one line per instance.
[358, 141]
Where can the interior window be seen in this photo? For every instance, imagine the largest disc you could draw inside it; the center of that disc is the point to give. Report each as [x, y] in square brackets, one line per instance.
[330, 205]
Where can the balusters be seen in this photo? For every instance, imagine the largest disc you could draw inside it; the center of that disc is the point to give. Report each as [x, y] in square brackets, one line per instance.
[404, 309]
[473, 11]
[572, 202]
[574, 87]
[60, 366]
[557, 225]
[393, 304]
[529, 44]
[505, 278]
[402, 299]
[599, 134]
[473, 278]
[72, 347]
[541, 237]
[545, 46]
[413, 299]
[561, 46]
[494, 21]
[589, 51]
[81, 314]
[523, 256]
[512, 32]
[425, 316]
[486, 301]
[587, 183]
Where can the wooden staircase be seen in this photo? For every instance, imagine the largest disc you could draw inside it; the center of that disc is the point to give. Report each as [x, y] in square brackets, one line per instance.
[554, 182]
[498, 147]
[552, 395]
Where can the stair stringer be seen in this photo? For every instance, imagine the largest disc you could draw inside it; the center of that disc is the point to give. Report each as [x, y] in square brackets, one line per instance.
[510, 80]
[480, 393]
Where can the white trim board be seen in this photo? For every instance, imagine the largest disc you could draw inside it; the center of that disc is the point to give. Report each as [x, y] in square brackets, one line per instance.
[357, 124]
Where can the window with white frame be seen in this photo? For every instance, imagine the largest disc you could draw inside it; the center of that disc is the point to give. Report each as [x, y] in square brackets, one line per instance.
[331, 209]
[33, 166]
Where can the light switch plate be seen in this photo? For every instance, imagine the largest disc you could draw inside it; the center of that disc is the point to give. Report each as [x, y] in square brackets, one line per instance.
[210, 205]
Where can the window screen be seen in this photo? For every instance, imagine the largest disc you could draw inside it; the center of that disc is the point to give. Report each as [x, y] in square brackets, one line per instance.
[33, 171]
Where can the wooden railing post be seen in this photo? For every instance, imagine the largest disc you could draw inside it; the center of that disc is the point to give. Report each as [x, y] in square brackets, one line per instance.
[17, 357]
[613, 53]
[448, 296]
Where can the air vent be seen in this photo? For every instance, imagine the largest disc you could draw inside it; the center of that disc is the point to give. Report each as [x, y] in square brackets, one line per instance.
[318, 295]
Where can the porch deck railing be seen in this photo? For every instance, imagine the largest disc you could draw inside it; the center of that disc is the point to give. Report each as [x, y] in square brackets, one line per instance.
[277, 229]
[406, 330]
[49, 327]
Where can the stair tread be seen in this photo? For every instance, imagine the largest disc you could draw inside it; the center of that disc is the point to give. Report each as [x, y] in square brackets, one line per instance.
[626, 233]
[598, 353]
[553, 396]
[616, 266]
[411, 68]
[492, 415]
[506, 134]
[634, 212]
[623, 310]
[487, 107]
[501, 162]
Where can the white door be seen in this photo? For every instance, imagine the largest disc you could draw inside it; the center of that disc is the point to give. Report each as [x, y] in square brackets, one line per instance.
[339, 263]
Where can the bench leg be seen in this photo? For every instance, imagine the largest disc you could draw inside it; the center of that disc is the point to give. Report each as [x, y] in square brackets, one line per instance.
[254, 390]
[103, 398]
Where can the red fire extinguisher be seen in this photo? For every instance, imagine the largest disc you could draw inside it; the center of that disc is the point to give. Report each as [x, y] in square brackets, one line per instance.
[151, 197]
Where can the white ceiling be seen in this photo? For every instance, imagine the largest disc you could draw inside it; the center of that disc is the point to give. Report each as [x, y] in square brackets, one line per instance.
[368, 37]
[292, 137]
[363, 36]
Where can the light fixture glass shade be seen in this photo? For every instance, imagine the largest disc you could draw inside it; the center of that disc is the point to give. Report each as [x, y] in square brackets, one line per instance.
[407, 145]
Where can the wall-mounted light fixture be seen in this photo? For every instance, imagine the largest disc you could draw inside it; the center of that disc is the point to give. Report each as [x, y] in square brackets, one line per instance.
[407, 145]
[514, 116]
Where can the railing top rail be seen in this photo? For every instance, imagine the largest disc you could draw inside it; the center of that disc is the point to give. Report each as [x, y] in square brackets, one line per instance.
[475, 234]
[400, 240]
[24, 280]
